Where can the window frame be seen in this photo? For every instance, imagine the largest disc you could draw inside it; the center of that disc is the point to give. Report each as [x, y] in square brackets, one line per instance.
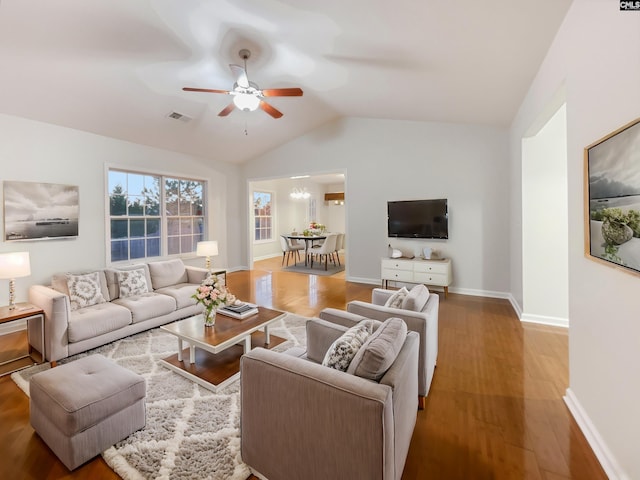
[272, 216]
[163, 215]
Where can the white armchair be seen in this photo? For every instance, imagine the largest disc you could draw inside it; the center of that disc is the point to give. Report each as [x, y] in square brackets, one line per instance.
[424, 321]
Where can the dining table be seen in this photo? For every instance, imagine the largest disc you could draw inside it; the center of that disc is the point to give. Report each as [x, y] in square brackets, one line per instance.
[308, 243]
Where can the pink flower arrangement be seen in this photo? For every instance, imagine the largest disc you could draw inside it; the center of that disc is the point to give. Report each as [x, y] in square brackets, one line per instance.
[316, 226]
[212, 293]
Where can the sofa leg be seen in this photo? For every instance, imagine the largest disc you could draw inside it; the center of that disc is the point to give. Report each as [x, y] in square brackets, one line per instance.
[421, 402]
[53, 364]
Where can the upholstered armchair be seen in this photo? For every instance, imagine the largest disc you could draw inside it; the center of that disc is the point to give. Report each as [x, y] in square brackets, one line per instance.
[300, 419]
[420, 312]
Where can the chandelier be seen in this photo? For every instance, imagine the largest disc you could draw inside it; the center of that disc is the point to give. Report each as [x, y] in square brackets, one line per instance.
[299, 193]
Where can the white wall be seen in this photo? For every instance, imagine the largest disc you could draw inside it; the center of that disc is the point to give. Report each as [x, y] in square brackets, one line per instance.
[335, 214]
[595, 54]
[544, 223]
[397, 160]
[38, 152]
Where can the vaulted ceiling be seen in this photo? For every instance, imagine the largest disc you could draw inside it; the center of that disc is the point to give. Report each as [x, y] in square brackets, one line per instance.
[117, 67]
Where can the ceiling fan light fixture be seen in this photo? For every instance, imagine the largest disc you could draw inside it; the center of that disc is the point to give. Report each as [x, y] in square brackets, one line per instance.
[246, 101]
[247, 96]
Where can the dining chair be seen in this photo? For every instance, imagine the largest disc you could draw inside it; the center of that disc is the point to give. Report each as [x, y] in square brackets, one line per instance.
[288, 249]
[339, 245]
[327, 249]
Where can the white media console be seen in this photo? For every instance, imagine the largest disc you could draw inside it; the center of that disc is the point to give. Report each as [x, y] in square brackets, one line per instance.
[417, 270]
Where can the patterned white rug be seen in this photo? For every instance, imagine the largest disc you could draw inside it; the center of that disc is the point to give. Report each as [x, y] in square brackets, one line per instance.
[190, 431]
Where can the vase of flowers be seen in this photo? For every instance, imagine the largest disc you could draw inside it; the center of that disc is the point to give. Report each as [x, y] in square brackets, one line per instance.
[317, 228]
[212, 293]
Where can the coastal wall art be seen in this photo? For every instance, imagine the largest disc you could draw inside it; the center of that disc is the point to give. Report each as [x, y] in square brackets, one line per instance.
[612, 198]
[40, 211]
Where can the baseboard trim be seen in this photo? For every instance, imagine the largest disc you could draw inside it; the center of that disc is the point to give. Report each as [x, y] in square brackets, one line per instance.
[544, 320]
[266, 257]
[479, 293]
[603, 454]
[369, 281]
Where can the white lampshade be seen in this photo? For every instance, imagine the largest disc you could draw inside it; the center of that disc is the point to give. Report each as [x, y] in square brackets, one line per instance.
[15, 265]
[246, 101]
[207, 249]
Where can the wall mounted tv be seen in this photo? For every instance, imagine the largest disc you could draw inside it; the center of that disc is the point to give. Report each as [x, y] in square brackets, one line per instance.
[418, 218]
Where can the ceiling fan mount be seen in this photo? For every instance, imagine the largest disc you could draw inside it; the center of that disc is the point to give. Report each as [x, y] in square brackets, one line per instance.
[247, 95]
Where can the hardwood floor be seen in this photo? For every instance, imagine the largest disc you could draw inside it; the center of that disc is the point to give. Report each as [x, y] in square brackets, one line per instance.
[495, 408]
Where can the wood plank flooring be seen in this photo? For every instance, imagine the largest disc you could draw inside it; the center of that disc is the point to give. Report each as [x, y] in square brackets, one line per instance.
[495, 408]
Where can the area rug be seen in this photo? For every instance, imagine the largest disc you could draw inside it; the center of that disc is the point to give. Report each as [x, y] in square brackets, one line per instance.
[318, 269]
[190, 431]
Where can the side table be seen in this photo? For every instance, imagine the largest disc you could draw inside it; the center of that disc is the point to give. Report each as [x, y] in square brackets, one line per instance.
[28, 312]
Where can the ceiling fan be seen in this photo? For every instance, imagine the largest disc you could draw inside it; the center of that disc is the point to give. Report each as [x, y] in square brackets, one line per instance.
[246, 94]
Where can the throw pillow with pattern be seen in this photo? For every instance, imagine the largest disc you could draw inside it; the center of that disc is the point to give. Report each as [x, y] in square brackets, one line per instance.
[342, 351]
[84, 290]
[132, 282]
[397, 298]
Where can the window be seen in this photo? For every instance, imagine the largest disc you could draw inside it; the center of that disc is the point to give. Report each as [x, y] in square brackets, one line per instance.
[141, 228]
[263, 216]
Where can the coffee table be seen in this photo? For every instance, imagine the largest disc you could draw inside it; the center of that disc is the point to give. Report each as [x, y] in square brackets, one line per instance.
[212, 358]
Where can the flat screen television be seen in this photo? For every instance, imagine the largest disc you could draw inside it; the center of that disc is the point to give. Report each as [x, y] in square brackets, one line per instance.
[418, 218]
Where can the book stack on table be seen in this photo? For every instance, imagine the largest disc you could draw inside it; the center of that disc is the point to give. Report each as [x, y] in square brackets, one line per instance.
[239, 310]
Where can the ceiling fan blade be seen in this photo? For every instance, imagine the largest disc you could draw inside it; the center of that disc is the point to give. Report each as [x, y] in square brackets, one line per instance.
[241, 75]
[227, 110]
[282, 92]
[206, 90]
[275, 113]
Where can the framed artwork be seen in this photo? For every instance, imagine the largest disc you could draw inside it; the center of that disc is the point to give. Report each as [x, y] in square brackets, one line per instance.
[612, 198]
[40, 211]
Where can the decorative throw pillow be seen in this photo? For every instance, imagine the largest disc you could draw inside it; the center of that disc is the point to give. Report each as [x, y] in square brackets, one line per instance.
[380, 350]
[342, 351]
[84, 290]
[396, 299]
[416, 299]
[132, 282]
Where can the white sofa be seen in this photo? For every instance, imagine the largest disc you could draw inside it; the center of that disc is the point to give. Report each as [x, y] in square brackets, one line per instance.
[68, 331]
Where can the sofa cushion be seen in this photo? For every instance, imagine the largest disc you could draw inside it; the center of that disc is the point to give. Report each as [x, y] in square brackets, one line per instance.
[166, 273]
[342, 351]
[84, 290]
[396, 299]
[380, 350]
[89, 322]
[59, 283]
[111, 275]
[416, 299]
[181, 293]
[132, 282]
[148, 305]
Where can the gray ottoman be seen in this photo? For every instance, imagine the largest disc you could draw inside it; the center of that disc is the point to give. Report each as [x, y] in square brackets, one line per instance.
[82, 408]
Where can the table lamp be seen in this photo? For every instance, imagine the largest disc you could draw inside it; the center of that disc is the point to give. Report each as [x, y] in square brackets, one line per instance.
[207, 249]
[14, 265]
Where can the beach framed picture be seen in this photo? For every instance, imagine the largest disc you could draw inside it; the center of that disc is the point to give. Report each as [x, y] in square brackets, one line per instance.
[40, 211]
[612, 198]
